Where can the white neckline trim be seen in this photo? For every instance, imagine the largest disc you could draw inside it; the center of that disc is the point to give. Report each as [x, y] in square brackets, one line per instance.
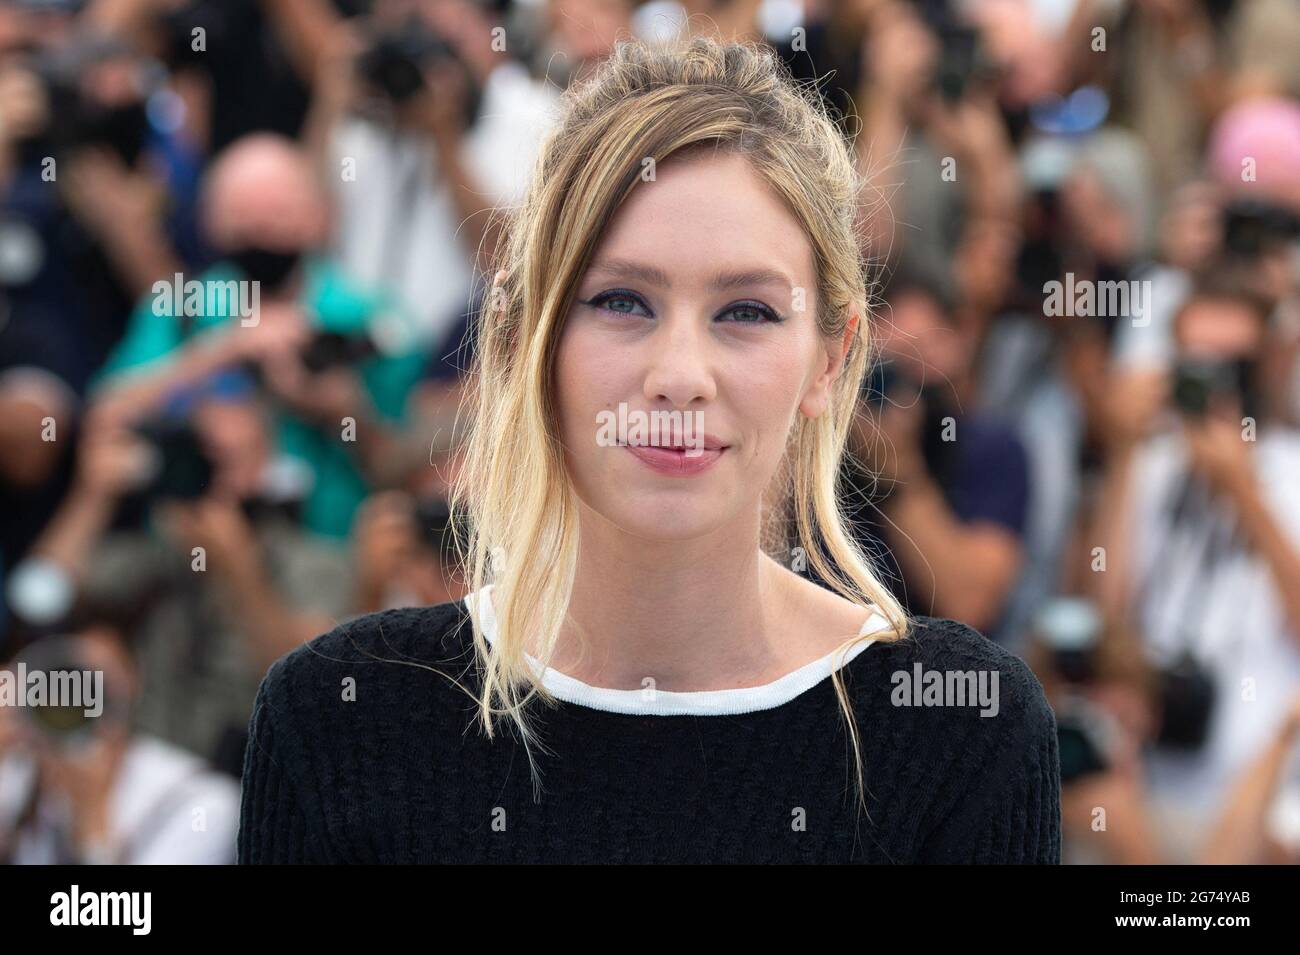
[651, 702]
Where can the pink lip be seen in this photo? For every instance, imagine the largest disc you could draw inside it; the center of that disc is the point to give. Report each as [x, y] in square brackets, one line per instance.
[676, 462]
[709, 442]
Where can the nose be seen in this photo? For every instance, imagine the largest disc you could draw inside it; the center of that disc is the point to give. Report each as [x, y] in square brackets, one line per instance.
[680, 363]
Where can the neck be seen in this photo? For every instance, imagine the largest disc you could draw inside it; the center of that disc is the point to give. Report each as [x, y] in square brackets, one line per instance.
[691, 615]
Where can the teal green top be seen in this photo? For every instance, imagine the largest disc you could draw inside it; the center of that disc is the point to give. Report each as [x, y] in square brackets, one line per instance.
[334, 304]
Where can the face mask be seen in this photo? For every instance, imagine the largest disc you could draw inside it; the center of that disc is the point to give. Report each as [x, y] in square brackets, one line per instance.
[269, 269]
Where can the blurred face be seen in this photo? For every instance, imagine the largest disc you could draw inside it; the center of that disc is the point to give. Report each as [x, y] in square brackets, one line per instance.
[585, 30]
[917, 336]
[114, 82]
[20, 28]
[700, 300]
[265, 196]
[234, 438]
[986, 264]
[1213, 329]
[1095, 218]
[1228, 331]
[101, 648]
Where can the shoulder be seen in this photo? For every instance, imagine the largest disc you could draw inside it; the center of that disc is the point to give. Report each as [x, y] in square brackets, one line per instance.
[940, 640]
[952, 671]
[376, 648]
[374, 691]
[969, 723]
[379, 673]
[376, 672]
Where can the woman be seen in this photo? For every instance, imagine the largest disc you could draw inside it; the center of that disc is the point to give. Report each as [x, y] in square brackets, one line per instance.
[686, 248]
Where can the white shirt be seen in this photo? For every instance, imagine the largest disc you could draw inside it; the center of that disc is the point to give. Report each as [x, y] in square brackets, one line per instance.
[1205, 590]
[1151, 344]
[397, 225]
[167, 807]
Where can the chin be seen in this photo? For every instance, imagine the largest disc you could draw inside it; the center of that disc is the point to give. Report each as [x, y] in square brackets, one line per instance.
[665, 517]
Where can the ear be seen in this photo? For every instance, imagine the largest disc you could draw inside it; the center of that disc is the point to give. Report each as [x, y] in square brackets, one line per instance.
[495, 301]
[816, 399]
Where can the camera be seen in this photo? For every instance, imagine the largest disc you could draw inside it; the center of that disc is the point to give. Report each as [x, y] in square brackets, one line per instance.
[395, 62]
[1083, 734]
[1196, 381]
[68, 726]
[1187, 695]
[1251, 227]
[326, 350]
[960, 60]
[888, 381]
[76, 120]
[181, 468]
[1070, 629]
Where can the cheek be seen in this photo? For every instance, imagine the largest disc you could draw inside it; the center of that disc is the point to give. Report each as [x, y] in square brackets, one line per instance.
[589, 376]
[766, 387]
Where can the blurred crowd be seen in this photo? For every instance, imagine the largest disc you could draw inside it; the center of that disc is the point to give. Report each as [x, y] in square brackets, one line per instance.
[1082, 434]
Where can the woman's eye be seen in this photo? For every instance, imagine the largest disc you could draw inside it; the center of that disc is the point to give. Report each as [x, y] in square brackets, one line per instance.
[623, 303]
[629, 303]
[752, 313]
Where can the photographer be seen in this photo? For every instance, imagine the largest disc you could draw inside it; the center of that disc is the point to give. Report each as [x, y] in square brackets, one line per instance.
[1102, 692]
[1200, 530]
[1243, 216]
[89, 171]
[85, 226]
[338, 361]
[422, 122]
[403, 553]
[956, 485]
[233, 580]
[1261, 823]
[942, 171]
[77, 789]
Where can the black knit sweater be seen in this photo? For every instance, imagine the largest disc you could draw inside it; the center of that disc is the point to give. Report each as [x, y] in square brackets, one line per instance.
[359, 753]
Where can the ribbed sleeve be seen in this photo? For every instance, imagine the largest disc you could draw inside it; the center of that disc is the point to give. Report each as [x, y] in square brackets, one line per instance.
[1009, 811]
[271, 821]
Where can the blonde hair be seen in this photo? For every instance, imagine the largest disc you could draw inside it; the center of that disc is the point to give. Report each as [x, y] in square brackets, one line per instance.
[512, 493]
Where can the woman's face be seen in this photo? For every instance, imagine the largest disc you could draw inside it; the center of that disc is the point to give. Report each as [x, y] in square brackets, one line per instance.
[700, 300]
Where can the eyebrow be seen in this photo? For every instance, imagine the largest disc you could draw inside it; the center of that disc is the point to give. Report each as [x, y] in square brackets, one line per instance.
[722, 280]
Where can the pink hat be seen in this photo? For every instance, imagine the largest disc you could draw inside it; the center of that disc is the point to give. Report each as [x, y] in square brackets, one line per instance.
[1266, 130]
